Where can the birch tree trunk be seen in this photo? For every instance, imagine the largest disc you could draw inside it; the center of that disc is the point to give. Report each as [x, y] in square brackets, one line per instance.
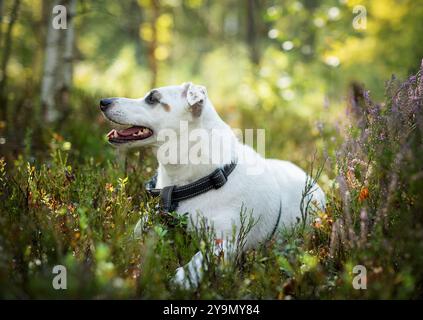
[58, 65]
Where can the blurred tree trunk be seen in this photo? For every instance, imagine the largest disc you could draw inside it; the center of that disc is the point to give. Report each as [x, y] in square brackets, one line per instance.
[58, 65]
[252, 7]
[135, 18]
[1, 20]
[42, 27]
[51, 65]
[6, 48]
[152, 61]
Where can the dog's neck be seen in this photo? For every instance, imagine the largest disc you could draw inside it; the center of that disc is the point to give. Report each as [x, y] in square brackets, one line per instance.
[184, 172]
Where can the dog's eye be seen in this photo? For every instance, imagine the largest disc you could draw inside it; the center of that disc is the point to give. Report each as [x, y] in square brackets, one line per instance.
[152, 98]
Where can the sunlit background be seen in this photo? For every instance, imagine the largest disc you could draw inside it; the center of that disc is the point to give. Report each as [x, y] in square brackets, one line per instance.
[278, 65]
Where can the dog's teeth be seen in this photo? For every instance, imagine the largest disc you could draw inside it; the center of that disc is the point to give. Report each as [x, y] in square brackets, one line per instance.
[111, 134]
[137, 134]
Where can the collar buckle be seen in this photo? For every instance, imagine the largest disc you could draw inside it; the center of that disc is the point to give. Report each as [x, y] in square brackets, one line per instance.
[218, 178]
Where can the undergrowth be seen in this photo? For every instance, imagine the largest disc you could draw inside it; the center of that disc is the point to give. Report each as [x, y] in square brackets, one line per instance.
[73, 201]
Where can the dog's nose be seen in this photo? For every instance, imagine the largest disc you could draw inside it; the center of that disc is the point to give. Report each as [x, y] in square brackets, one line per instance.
[105, 103]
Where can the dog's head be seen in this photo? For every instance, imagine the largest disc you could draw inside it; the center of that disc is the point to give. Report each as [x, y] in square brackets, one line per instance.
[140, 120]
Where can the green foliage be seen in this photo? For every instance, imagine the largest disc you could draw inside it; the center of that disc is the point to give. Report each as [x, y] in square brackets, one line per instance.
[80, 210]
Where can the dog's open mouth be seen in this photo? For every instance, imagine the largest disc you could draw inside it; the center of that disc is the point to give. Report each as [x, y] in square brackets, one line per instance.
[130, 134]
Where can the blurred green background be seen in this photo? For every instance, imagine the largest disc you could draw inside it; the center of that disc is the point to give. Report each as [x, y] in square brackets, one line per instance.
[278, 65]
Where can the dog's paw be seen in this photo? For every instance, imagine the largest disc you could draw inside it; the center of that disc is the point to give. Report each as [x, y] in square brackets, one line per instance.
[140, 228]
[183, 281]
[189, 277]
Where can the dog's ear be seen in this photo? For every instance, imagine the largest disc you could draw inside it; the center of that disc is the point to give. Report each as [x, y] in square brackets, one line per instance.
[196, 97]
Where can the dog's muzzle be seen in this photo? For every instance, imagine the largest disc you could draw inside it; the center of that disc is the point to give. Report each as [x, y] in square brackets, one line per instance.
[106, 103]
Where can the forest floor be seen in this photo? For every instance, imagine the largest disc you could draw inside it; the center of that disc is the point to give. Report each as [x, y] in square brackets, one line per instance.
[66, 199]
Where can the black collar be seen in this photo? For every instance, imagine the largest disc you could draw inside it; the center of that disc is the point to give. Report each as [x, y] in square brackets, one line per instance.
[171, 195]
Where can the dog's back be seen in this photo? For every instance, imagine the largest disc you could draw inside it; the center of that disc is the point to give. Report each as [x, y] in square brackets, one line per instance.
[292, 182]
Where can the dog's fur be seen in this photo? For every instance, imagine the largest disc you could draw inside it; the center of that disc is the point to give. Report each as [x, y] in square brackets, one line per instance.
[259, 185]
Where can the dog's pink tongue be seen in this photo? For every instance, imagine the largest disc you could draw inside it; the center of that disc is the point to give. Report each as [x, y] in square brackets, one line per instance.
[128, 132]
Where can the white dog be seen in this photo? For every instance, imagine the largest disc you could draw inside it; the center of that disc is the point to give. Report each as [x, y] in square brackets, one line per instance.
[270, 189]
